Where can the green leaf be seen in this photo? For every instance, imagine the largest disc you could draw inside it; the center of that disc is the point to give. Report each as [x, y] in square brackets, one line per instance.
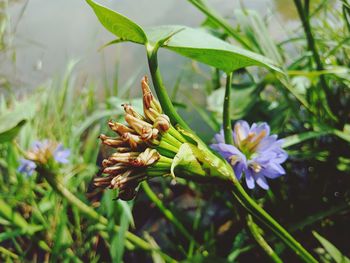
[11, 122]
[331, 249]
[298, 138]
[118, 24]
[199, 45]
[185, 158]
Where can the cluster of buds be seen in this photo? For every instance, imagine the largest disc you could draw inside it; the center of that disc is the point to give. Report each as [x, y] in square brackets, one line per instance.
[144, 147]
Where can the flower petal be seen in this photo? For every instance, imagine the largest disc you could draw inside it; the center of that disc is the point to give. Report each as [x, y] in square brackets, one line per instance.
[249, 179]
[261, 181]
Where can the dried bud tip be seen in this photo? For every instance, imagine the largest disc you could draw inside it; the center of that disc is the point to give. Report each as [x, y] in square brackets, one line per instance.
[162, 123]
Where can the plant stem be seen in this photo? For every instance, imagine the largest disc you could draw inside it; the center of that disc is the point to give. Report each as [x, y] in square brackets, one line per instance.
[92, 214]
[256, 233]
[226, 111]
[253, 208]
[167, 213]
[159, 87]
[255, 230]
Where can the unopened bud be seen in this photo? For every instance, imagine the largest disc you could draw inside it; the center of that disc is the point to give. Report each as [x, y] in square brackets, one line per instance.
[132, 139]
[130, 110]
[114, 170]
[119, 128]
[126, 158]
[162, 123]
[148, 99]
[113, 142]
[146, 158]
[144, 129]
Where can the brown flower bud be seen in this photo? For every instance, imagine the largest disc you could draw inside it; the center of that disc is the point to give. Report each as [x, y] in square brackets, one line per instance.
[103, 181]
[132, 139]
[115, 170]
[162, 123]
[119, 128]
[148, 99]
[130, 110]
[146, 158]
[113, 142]
[144, 129]
[126, 158]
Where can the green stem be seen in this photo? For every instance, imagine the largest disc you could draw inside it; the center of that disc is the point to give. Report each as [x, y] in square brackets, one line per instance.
[167, 213]
[226, 111]
[159, 87]
[259, 213]
[255, 230]
[256, 233]
[92, 214]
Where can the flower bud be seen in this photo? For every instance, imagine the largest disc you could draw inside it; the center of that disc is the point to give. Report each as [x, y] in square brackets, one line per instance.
[162, 123]
[126, 158]
[132, 139]
[144, 129]
[146, 158]
[119, 128]
[130, 110]
[148, 99]
[113, 142]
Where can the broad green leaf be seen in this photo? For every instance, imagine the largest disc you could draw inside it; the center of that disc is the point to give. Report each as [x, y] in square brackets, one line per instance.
[331, 249]
[12, 121]
[118, 24]
[202, 46]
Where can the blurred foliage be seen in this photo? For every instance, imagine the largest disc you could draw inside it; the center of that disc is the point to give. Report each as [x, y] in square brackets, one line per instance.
[309, 106]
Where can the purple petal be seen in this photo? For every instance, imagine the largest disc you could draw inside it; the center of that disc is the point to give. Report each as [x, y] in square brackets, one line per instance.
[241, 127]
[266, 143]
[61, 155]
[26, 166]
[258, 128]
[273, 171]
[239, 168]
[219, 137]
[249, 179]
[226, 150]
[261, 181]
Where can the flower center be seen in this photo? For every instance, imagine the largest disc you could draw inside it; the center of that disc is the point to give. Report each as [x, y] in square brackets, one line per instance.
[248, 144]
[255, 167]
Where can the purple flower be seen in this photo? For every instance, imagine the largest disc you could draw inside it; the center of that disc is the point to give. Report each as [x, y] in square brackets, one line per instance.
[60, 154]
[43, 151]
[27, 167]
[255, 153]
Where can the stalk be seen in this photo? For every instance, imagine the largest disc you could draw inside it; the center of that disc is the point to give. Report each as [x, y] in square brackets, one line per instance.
[255, 231]
[159, 87]
[259, 213]
[226, 111]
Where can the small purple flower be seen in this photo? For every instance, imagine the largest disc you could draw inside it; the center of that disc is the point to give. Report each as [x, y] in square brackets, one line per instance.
[255, 153]
[27, 167]
[43, 151]
[60, 154]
